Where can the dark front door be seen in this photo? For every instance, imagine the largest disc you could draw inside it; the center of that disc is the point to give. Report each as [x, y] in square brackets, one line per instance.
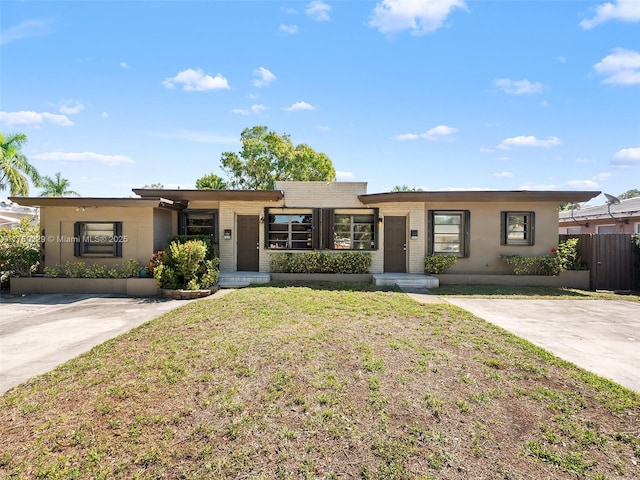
[248, 243]
[395, 244]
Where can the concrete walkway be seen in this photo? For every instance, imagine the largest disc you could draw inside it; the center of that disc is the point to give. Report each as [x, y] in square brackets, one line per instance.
[602, 336]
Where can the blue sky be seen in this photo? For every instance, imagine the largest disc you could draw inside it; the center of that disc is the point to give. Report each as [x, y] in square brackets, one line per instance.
[436, 94]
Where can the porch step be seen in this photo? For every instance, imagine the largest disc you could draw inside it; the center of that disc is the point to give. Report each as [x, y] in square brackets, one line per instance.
[405, 280]
[242, 279]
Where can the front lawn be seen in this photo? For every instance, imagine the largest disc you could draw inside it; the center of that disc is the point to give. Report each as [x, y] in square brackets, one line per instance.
[302, 382]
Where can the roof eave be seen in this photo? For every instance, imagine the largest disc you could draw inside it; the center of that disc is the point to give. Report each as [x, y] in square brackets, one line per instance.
[480, 196]
[212, 195]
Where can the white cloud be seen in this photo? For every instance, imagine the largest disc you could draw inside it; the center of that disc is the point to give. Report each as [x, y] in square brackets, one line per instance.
[440, 131]
[344, 176]
[91, 157]
[265, 77]
[104, 115]
[322, 128]
[627, 157]
[318, 10]
[621, 67]
[124, 65]
[418, 16]
[504, 159]
[518, 87]
[256, 109]
[71, 107]
[26, 29]
[31, 118]
[196, 81]
[528, 141]
[562, 59]
[503, 175]
[623, 10]
[289, 29]
[487, 150]
[406, 136]
[259, 108]
[299, 106]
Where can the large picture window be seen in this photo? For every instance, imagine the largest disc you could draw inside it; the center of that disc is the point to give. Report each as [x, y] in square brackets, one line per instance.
[518, 228]
[98, 239]
[290, 231]
[449, 232]
[353, 232]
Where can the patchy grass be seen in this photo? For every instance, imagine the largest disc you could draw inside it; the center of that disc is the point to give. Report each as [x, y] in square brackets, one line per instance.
[515, 291]
[301, 382]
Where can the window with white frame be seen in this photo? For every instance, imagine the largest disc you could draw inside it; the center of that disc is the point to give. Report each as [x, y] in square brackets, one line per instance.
[573, 230]
[517, 228]
[98, 239]
[636, 228]
[353, 232]
[290, 231]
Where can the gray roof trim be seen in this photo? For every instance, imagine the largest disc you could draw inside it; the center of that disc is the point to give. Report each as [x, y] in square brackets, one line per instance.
[212, 195]
[88, 202]
[480, 196]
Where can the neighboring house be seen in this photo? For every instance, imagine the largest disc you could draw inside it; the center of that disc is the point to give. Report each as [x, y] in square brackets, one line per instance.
[398, 228]
[623, 217]
[11, 213]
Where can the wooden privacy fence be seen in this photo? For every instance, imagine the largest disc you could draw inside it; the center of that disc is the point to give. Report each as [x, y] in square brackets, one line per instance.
[611, 259]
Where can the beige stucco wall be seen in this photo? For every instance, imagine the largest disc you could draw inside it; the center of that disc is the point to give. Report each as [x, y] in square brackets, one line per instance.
[485, 248]
[164, 224]
[56, 225]
[322, 194]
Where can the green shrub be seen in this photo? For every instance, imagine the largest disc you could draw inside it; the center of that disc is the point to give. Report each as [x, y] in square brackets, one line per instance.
[209, 241]
[19, 250]
[184, 266]
[565, 257]
[437, 263]
[320, 262]
[81, 270]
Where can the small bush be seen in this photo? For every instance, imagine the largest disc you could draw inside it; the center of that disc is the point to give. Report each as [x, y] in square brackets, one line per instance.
[184, 266]
[321, 262]
[439, 263]
[208, 240]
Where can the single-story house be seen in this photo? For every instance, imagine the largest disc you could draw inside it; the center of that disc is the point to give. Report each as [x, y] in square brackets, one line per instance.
[612, 217]
[11, 213]
[398, 228]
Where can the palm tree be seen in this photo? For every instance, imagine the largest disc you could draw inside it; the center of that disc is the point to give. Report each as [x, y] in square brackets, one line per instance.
[15, 169]
[57, 187]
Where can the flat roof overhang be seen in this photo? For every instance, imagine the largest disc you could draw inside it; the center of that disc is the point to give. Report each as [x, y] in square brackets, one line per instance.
[480, 196]
[90, 202]
[212, 195]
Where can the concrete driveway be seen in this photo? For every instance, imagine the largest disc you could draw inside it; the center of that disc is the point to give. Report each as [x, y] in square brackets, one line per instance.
[39, 332]
[602, 336]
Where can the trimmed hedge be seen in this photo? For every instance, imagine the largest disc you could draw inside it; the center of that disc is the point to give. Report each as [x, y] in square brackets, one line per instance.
[320, 262]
